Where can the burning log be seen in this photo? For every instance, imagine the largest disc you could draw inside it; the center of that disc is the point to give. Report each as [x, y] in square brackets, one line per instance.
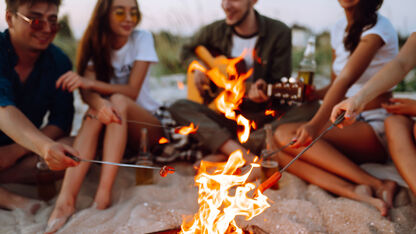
[251, 229]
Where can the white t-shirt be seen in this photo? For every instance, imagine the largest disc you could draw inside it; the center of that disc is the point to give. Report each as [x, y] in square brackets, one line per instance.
[387, 52]
[241, 44]
[139, 47]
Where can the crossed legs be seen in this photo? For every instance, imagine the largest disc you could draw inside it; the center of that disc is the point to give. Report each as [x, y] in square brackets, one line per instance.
[325, 165]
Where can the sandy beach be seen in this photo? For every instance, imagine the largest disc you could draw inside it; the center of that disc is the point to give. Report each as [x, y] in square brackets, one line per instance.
[296, 207]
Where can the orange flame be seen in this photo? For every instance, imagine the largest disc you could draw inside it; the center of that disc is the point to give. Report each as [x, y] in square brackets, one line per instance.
[228, 101]
[187, 129]
[181, 86]
[217, 208]
[270, 112]
[163, 141]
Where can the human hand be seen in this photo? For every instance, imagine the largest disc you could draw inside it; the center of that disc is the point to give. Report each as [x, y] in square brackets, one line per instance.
[71, 81]
[107, 113]
[256, 93]
[200, 80]
[304, 135]
[352, 108]
[55, 157]
[401, 106]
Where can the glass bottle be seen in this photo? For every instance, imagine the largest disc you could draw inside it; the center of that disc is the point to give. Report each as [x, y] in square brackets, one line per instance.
[307, 65]
[269, 165]
[45, 180]
[143, 175]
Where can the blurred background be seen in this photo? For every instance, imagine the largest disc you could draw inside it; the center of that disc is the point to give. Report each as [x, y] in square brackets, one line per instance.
[172, 22]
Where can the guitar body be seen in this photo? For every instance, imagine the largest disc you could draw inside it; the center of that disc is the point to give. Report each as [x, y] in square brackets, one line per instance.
[209, 95]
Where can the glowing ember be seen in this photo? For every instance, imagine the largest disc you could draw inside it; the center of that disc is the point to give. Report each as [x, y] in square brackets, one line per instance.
[228, 101]
[270, 112]
[187, 130]
[181, 86]
[217, 208]
[163, 141]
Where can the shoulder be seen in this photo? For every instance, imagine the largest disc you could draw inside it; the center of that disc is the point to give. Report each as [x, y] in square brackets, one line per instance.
[275, 24]
[384, 28]
[339, 26]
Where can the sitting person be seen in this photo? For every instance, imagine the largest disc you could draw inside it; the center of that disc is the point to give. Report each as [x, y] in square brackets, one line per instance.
[113, 70]
[268, 51]
[400, 129]
[363, 42]
[29, 68]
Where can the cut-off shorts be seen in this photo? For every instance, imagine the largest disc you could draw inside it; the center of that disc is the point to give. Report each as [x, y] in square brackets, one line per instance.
[375, 118]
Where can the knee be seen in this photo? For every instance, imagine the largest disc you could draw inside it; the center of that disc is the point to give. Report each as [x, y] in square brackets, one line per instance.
[120, 102]
[392, 121]
[284, 134]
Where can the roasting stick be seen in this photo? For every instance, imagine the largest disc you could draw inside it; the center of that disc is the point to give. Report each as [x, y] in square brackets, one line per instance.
[163, 171]
[277, 175]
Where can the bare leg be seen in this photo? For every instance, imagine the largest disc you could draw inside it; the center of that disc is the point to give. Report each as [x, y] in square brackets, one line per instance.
[13, 201]
[86, 144]
[324, 154]
[115, 140]
[400, 134]
[330, 182]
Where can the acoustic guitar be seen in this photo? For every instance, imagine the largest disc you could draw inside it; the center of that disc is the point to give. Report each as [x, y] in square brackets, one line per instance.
[287, 91]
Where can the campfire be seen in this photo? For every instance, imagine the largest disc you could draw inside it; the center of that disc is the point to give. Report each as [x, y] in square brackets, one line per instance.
[224, 194]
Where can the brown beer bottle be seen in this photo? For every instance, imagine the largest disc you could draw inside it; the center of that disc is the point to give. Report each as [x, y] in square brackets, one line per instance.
[307, 65]
[144, 176]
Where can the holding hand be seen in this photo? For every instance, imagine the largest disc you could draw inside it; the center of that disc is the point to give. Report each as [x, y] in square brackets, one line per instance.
[54, 156]
[352, 108]
[401, 106]
[71, 81]
[107, 113]
[305, 135]
[256, 93]
[201, 80]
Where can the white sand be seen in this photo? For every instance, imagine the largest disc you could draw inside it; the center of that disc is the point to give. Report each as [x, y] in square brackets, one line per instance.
[296, 208]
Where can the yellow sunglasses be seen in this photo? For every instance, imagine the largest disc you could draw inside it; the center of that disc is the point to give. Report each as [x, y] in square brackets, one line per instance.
[121, 15]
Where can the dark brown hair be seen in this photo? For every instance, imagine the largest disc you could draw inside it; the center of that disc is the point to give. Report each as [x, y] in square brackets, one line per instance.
[12, 5]
[96, 43]
[365, 17]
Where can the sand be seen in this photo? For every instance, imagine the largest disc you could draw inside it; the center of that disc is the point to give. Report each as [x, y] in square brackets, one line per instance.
[296, 207]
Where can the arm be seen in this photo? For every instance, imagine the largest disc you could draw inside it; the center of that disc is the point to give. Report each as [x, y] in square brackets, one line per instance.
[281, 57]
[15, 124]
[386, 78]
[356, 65]
[9, 154]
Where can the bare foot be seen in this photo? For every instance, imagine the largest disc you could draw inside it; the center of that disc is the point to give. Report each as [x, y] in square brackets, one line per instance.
[102, 200]
[386, 192]
[59, 216]
[364, 193]
[31, 206]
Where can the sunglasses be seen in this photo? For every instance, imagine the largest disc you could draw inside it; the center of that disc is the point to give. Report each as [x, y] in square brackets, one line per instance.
[121, 15]
[38, 24]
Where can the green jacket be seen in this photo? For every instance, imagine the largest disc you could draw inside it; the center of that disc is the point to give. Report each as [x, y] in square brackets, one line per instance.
[272, 60]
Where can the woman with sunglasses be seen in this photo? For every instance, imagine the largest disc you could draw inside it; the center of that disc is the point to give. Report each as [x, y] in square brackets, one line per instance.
[113, 65]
